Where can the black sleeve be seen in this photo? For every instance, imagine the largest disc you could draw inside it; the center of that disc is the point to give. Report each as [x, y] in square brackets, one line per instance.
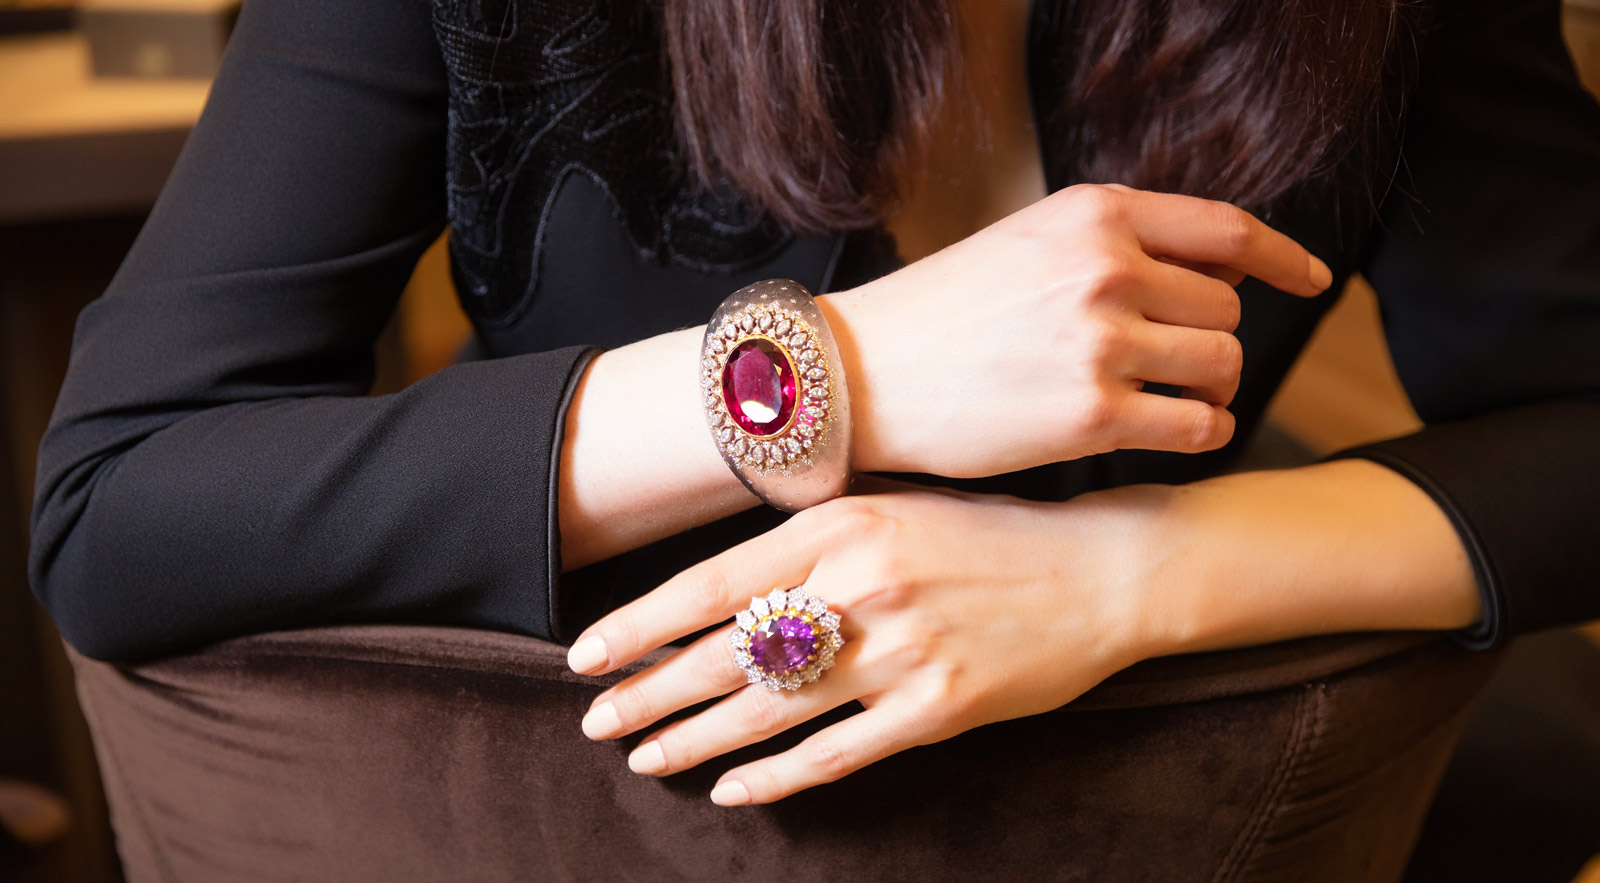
[214, 466]
[1489, 279]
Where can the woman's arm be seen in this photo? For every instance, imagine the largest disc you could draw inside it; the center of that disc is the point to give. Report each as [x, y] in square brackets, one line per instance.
[1027, 343]
[1488, 276]
[215, 467]
[1258, 557]
[964, 610]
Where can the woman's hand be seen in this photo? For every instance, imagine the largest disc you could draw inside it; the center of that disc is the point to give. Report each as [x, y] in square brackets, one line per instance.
[961, 610]
[957, 610]
[1029, 342]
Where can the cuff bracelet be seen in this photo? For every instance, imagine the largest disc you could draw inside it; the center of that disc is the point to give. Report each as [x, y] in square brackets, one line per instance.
[775, 396]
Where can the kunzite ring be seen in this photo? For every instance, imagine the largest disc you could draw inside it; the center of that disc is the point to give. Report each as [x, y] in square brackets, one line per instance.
[786, 639]
[775, 396]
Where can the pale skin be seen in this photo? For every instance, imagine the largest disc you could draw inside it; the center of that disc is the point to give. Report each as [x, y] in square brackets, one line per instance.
[962, 610]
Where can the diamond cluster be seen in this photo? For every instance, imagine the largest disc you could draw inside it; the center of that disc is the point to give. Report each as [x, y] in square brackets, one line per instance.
[785, 640]
[788, 336]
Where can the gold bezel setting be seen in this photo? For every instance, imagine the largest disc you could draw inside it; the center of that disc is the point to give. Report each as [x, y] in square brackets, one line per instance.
[790, 443]
[797, 606]
[790, 447]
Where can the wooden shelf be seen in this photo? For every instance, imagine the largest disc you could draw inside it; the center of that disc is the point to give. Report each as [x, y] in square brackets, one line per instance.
[72, 145]
[46, 91]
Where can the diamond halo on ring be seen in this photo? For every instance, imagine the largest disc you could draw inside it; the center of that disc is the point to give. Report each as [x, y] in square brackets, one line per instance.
[785, 639]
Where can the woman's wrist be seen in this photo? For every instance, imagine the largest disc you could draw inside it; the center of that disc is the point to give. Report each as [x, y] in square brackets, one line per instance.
[1116, 541]
[636, 463]
[853, 334]
[1259, 557]
[887, 358]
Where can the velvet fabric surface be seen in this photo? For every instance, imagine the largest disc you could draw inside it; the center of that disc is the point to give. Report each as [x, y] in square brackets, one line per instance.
[390, 753]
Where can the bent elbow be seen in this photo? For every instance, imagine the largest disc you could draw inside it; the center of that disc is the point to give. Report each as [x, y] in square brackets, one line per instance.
[81, 608]
[76, 566]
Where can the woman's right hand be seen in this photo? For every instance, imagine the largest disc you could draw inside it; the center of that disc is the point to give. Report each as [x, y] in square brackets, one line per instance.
[1029, 342]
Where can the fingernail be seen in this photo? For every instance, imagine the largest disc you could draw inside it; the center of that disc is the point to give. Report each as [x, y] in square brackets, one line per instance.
[647, 759]
[602, 722]
[730, 794]
[1321, 276]
[588, 655]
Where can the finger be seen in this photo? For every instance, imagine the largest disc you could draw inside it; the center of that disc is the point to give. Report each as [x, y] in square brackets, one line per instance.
[1162, 423]
[1206, 231]
[748, 716]
[1215, 271]
[703, 595]
[701, 671]
[1176, 296]
[1205, 362]
[825, 756]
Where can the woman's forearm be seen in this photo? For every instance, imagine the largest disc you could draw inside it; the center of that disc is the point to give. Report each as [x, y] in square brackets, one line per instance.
[1081, 307]
[1265, 556]
[961, 609]
[637, 462]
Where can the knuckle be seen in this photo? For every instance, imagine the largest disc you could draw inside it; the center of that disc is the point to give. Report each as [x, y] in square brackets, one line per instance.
[763, 782]
[1110, 277]
[1202, 427]
[815, 517]
[827, 759]
[719, 666]
[708, 592]
[674, 752]
[1097, 204]
[939, 696]
[1234, 228]
[633, 709]
[623, 637]
[847, 517]
[1097, 417]
[886, 585]
[1105, 342]
[759, 712]
[904, 653]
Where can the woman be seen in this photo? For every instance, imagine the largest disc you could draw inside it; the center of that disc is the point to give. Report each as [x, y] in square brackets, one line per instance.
[595, 201]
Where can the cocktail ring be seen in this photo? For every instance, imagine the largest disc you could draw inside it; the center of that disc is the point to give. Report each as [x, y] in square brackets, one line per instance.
[786, 639]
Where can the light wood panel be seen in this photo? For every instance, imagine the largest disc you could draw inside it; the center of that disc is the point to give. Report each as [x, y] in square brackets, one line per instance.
[46, 91]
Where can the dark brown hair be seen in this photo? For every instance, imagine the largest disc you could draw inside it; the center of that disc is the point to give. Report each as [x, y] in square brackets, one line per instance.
[811, 107]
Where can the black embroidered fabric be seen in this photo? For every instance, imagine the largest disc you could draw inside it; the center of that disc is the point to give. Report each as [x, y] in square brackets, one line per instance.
[578, 88]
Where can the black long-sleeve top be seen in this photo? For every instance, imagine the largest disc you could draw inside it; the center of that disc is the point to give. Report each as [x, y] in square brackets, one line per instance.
[214, 466]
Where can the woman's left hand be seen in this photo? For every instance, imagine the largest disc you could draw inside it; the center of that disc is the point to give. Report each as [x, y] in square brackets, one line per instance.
[957, 610]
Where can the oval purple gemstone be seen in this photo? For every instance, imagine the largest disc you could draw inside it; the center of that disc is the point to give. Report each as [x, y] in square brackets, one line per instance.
[782, 644]
[758, 387]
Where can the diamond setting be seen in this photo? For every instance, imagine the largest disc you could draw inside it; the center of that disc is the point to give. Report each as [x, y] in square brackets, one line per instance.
[769, 388]
[785, 640]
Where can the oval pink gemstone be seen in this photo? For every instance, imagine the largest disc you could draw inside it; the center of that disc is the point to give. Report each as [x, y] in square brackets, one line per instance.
[758, 387]
[782, 644]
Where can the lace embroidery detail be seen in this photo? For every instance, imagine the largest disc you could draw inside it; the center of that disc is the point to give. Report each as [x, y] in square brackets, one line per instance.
[540, 89]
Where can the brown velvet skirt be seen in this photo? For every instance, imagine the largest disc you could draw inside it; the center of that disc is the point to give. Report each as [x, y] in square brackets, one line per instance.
[407, 753]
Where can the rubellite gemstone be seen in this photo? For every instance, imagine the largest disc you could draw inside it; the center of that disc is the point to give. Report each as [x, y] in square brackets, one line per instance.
[782, 644]
[758, 386]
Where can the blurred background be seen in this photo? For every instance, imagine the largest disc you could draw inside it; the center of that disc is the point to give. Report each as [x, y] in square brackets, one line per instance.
[96, 98]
